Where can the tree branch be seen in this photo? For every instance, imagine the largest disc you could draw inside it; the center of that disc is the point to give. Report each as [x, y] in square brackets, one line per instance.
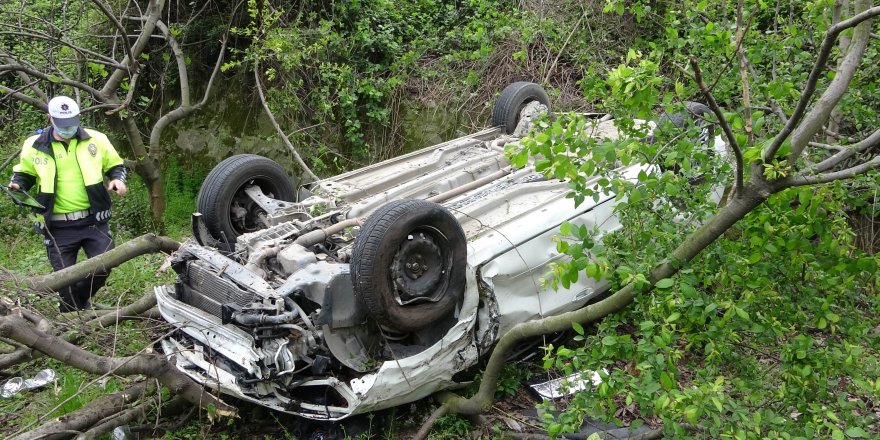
[845, 153]
[744, 74]
[753, 195]
[184, 110]
[97, 57]
[810, 87]
[848, 173]
[68, 82]
[144, 244]
[154, 10]
[83, 418]
[36, 103]
[296, 156]
[182, 75]
[728, 133]
[137, 412]
[27, 80]
[151, 365]
[134, 67]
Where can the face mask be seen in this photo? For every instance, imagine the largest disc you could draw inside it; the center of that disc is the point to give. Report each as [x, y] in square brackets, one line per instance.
[66, 132]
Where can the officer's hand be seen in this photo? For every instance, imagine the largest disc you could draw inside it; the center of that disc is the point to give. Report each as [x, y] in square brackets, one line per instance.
[13, 186]
[118, 186]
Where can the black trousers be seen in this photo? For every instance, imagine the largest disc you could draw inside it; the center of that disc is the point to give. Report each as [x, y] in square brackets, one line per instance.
[63, 243]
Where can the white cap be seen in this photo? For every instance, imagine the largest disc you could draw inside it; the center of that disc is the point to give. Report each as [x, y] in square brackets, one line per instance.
[64, 111]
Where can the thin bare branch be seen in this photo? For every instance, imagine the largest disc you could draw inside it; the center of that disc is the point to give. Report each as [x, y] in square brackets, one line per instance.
[133, 67]
[826, 146]
[68, 82]
[95, 56]
[183, 111]
[154, 10]
[562, 49]
[801, 180]
[744, 74]
[83, 418]
[845, 153]
[182, 75]
[132, 86]
[24, 98]
[33, 85]
[728, 133]
[818, 66]
[278, 129]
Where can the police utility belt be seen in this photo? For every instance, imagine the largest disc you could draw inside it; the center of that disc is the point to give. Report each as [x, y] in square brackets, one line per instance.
[70, 216]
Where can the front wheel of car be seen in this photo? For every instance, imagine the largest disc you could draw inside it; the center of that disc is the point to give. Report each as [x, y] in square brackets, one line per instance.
[408, 264]
[227, 209]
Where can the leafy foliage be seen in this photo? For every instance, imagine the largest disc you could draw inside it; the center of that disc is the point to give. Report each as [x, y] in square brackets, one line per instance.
[771, 332]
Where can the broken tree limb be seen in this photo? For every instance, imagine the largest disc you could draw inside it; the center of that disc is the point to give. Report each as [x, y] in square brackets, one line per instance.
[131, 311]
[82, 419]
[755, 192]
[151, 365]
[132, 414]
[145, 244]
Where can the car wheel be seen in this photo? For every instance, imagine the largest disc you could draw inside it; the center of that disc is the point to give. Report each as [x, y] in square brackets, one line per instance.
[408, 264]
[227, 209]
[513, 98]
[696, 112]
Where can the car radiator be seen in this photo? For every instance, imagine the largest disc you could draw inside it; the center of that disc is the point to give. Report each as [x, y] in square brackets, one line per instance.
[208, 291]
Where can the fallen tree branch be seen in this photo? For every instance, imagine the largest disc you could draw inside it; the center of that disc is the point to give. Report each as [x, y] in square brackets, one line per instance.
[131, 311]
[151, 365]
[83, 418]
[144, 244]
[423, 432]
[754, 194]
[132, 414]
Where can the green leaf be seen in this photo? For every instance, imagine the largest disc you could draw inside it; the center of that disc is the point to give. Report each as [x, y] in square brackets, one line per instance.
[565, 228]
[856, 432]
[665, 283]
[692, 414]
[741, 313]
[673, 317]
[578, 328]
[609, 340]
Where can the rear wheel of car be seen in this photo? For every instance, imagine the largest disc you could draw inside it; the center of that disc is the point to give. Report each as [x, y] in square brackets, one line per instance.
[408, 264]
[225, 206]
[696, 112]
[513, 99]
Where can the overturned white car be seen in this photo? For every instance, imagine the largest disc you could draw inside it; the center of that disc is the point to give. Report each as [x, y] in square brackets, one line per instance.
[377, 286]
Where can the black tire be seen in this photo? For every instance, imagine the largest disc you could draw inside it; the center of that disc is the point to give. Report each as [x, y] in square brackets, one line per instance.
[398, 234]
[225, 186]
[696, 112]
[513, 98]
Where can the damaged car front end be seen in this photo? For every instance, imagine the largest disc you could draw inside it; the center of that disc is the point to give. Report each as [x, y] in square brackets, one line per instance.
[379, 285]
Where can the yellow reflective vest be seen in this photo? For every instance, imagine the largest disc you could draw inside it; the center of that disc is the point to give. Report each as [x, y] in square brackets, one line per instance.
[95, 156]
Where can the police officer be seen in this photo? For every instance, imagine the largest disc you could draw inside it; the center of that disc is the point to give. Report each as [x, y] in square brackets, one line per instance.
[68, 165]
